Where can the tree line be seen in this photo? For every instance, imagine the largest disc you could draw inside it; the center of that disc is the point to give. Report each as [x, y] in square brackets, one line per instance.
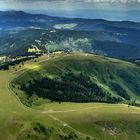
[69, 88]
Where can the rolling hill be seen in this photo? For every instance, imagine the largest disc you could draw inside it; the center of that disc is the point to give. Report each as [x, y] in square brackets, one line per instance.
[81, 78]
[78, 121]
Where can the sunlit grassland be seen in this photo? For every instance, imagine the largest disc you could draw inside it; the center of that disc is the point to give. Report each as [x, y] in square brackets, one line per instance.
[16, 121]
[102, 121]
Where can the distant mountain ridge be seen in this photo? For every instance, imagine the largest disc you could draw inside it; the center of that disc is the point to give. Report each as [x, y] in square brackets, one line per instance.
[15, 13]
[12, 13]
[19, 30]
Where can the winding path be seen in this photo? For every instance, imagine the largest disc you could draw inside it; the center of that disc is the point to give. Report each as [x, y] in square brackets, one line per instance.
[49, 112]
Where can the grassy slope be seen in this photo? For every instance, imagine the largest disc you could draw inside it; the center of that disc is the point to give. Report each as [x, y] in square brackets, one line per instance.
[102, 70]
[17, 121]
[104, 121]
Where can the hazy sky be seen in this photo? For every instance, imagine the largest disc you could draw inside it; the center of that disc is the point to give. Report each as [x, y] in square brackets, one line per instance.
[68, 4]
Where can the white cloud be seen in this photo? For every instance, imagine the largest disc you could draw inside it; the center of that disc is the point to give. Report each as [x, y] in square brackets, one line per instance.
[62, 4]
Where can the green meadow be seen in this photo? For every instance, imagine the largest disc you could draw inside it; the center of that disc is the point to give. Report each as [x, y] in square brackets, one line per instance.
[66, 120]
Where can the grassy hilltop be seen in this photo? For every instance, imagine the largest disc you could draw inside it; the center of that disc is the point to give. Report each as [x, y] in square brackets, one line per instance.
[80, 77]
[67, 120]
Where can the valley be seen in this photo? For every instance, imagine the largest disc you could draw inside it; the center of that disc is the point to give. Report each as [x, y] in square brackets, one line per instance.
[21, 31]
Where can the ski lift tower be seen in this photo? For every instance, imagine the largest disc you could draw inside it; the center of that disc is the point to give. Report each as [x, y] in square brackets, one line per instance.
[47, 46]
